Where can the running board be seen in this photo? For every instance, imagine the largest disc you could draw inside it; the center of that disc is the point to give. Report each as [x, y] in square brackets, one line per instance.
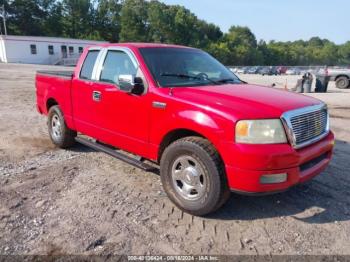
[118, 155]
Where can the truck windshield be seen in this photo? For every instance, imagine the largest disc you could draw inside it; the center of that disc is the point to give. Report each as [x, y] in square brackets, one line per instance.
[176, 67]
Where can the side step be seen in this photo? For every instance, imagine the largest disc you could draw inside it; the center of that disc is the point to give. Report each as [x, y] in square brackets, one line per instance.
[118, 155]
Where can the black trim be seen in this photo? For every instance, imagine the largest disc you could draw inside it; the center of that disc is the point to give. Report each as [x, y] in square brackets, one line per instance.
[119, 155]
[246, 193]
[311, 163]
[67, 74]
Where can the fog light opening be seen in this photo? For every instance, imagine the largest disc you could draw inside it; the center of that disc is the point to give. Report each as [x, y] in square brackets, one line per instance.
[273, 178]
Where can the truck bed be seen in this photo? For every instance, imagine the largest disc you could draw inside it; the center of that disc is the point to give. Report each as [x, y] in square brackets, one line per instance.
[54, 87]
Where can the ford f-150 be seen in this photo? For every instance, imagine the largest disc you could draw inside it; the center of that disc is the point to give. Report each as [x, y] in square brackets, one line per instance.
[180, 109]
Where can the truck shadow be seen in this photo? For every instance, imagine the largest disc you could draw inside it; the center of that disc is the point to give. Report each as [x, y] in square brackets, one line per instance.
[325, 199]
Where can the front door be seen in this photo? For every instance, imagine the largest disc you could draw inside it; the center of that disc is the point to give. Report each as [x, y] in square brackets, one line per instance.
[125, 118]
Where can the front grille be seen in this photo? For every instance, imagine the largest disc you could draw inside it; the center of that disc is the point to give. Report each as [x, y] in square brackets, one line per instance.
[307, 125]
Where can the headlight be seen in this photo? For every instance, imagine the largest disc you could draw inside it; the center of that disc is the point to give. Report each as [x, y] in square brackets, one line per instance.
[265, 131]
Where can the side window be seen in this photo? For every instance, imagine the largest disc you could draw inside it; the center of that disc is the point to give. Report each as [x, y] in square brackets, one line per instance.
[33, 49]
[116, 63]
[51, 51]
[71, 50]
[88, 65]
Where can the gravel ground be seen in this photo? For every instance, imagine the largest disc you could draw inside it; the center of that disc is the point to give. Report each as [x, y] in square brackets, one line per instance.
[83, 202]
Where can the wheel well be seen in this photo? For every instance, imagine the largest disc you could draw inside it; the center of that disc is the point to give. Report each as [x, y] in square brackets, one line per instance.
[173, 136]
[341, 76]
[50, 102]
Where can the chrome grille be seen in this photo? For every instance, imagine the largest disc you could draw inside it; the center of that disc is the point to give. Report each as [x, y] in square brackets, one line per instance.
[307, 125]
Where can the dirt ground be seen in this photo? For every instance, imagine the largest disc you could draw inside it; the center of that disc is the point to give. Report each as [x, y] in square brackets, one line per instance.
[78, 201]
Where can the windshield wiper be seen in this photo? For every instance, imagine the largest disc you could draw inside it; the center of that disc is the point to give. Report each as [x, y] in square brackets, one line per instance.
[190, 77]
[226, 80]
[180, 76]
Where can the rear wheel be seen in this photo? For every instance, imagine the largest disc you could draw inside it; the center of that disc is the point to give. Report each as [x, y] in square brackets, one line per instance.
[193, 176]
[60, 134]
[342, 82]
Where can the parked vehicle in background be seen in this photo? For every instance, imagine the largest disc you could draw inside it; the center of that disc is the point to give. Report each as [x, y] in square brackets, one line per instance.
[253, 70]
[293, 71]
[281, 70]
[242, 70]
[341, 76]
[268, 70]
[179, 108]
[233, 69]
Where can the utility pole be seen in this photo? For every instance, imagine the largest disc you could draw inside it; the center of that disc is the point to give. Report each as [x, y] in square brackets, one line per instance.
[4, 18]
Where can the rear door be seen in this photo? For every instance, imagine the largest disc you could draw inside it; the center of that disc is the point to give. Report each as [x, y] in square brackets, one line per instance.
[84, 97]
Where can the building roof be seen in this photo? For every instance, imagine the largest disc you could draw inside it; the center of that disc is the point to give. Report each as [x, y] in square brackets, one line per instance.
[62, 40]
[49, 39]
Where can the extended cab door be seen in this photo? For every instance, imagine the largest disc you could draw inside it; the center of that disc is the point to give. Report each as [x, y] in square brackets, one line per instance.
[85, 97]
[124, 116]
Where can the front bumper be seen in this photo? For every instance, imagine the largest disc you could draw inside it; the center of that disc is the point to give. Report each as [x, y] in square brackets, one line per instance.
[299, 165]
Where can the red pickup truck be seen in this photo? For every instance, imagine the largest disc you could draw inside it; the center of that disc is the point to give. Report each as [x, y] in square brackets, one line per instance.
[179, 108]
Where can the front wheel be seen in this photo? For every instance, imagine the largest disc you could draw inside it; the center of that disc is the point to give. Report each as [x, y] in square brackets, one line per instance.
[193, 176]
[60, 134]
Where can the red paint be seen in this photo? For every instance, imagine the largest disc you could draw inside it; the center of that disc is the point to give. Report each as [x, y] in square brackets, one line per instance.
[131, 123]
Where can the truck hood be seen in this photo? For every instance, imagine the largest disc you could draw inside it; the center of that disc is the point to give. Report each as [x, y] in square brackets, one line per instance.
[244, 101]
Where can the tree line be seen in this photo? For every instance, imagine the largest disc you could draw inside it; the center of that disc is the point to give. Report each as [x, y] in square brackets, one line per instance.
[153, 21]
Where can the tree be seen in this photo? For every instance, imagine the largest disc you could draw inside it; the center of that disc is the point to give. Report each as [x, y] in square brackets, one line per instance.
[78, 19]
[221, 51]
[25, 17]
[53, 23]
[344, 54]
[107, 21]
[133, 21]
[243, 45]
[154, 21]
[160, 21]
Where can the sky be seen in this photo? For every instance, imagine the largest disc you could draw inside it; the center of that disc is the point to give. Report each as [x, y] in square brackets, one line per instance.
[280, 20]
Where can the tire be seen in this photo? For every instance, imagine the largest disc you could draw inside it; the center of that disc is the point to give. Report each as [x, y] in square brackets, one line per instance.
[60, 134]
[342, 82]
[193, 176]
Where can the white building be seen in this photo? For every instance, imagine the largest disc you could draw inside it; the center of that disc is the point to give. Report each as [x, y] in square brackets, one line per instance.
[41, 50]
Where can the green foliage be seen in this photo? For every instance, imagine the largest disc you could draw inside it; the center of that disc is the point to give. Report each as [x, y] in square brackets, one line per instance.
[26, 17]
[133, 21]
[107, 19]
[78, 18]
[154, 21]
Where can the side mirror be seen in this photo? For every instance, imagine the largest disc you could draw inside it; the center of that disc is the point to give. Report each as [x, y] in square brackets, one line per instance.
[131, 84]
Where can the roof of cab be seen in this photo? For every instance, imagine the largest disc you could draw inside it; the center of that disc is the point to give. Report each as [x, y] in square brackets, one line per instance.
[142, 45]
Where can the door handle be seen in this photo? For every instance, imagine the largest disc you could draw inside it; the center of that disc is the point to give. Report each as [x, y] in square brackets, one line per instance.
[157, 104]
[96, 96]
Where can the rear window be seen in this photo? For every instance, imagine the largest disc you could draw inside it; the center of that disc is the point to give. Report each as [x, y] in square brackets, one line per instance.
[88, 65]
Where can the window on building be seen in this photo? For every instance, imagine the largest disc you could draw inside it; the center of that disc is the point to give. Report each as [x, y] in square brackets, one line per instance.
[33, 49]
[64, 51]
[71, 50]
[80, 49]
[51, 51]
[88, 65]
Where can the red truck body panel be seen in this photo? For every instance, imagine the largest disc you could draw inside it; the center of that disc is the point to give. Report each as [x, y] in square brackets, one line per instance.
[131, 123]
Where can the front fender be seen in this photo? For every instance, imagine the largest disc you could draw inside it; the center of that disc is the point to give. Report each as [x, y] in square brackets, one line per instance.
[212, 127]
